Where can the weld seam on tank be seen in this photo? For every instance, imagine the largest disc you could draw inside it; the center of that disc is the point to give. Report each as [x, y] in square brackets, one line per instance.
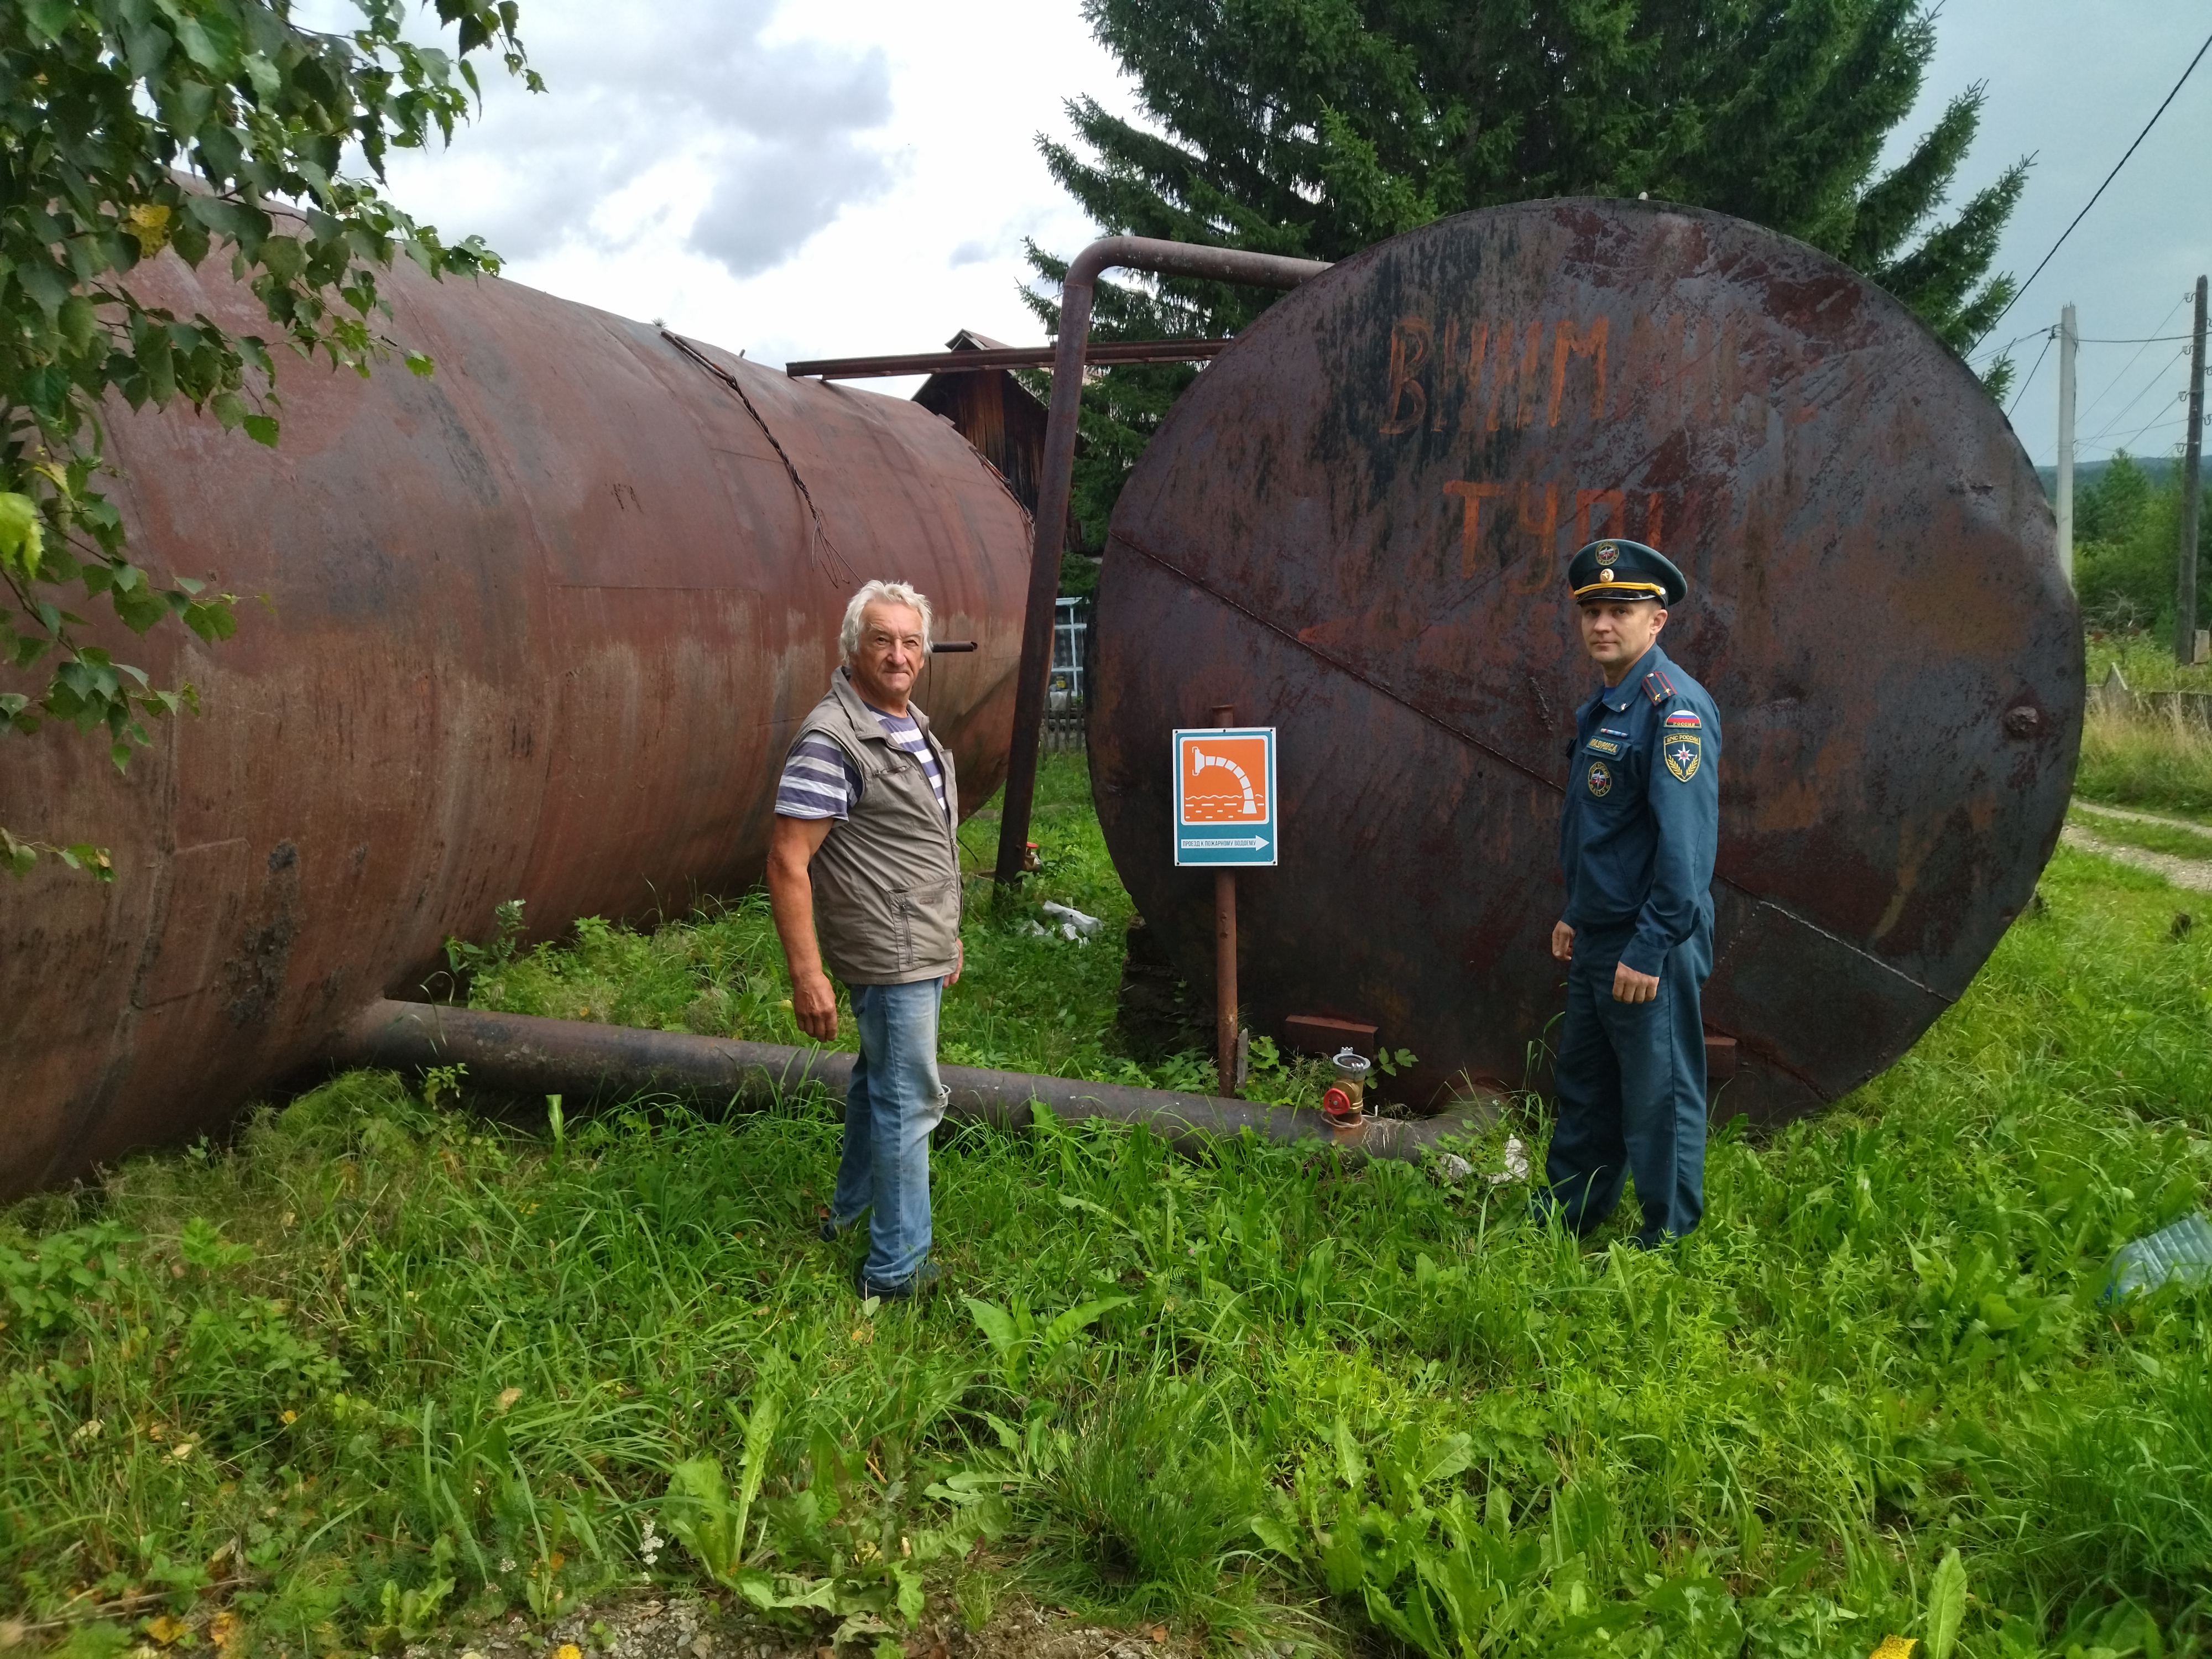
[1473, 741]
[529, 1054]
[843, 570]
[1337, 663]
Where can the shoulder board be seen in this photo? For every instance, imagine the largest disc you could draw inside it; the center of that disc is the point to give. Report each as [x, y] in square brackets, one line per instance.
[1657, 686]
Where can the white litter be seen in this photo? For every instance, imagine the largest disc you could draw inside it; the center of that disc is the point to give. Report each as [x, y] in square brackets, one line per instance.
[1516, 1163]
[1072, 921]
[1453, 1167]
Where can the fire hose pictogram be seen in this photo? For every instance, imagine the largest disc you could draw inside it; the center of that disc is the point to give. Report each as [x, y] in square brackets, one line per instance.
[1199, 761]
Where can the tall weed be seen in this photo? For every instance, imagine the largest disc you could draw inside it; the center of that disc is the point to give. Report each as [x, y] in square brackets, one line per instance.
[2146, 761]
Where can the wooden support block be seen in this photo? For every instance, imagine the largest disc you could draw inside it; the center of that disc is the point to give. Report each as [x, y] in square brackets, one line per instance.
[1317, 1034]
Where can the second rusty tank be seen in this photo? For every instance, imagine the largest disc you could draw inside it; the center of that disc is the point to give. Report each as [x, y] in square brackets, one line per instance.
[1355, 527]
[540, 625]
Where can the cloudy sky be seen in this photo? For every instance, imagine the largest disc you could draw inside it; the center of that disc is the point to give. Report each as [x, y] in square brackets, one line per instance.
[858, 175]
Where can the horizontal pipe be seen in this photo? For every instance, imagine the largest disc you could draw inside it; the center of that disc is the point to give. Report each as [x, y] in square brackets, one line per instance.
[1099, 352]
[526, 1055]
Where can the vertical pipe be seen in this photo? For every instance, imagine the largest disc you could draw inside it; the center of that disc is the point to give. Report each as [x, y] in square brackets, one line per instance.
[2067, 335]
[1224, 953]
[1056, 480]
[2185, 622]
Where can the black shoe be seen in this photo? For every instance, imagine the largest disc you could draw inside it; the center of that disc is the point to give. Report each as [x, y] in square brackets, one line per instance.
[921, 1282]
[832, 1229]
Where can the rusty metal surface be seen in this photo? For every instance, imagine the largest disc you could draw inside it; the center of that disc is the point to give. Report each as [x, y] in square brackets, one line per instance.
[1355, 526]
[1095, 352]
[529, 1056]
[541, 625]
[1056, 472]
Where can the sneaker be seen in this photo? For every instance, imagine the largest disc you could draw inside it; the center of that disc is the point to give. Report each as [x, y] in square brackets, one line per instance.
[921, 1282]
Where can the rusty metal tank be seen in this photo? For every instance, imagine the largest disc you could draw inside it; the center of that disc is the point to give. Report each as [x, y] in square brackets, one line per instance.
[539, 626]
[1355, 527]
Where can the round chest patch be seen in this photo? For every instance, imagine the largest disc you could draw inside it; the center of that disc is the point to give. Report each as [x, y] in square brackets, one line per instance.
[1601, 778]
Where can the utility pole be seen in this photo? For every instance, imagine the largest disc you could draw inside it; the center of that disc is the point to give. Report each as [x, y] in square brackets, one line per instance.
[2067, 336]
[2186, 623]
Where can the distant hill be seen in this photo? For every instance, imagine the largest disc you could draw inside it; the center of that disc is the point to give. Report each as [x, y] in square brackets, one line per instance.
[2159, 468]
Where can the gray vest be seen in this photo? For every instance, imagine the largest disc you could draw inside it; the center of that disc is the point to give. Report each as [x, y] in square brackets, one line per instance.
[887, 879]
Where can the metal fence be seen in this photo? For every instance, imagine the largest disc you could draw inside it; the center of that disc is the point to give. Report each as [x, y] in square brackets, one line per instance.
[1067, 701]
[2115, 696]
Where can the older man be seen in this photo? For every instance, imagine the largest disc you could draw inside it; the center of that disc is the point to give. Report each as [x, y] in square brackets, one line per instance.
[863, 853]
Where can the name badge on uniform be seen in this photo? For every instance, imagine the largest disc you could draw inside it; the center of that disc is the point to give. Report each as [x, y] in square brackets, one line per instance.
[1681, 742]
[1603, 746]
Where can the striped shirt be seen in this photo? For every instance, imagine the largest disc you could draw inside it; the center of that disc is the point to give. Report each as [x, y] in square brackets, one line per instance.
[819, 780]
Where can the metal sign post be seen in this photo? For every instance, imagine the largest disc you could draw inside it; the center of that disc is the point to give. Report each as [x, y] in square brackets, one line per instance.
[1225, 817]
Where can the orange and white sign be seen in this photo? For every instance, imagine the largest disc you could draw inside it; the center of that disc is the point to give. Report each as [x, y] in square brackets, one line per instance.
[1225, 795]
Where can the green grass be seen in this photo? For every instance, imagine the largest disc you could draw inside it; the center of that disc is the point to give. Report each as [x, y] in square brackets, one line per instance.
[2176, 839]
[381, 1364]
[2147, 763]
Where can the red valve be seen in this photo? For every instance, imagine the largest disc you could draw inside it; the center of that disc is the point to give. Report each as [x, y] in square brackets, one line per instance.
[1337, 1105]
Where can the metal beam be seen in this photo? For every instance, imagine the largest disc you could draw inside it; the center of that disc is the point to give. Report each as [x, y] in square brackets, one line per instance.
[1098, 352]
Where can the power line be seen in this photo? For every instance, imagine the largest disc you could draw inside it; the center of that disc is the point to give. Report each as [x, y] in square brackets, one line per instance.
[2133, 339]
[2132, 362]
[2143, 391]
[2000, 351]
[2030, 381]
[2155, 426]
[2109, 177]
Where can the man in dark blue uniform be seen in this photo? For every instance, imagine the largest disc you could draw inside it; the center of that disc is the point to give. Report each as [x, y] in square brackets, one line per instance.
[1637, 838]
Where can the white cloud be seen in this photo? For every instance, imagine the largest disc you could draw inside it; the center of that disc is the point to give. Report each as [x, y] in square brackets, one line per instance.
[802, 181]
[676, 118]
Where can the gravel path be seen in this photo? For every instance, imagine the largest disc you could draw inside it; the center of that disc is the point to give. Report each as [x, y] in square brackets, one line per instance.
[2097, 809]
[2194, 874]
[649, 1625]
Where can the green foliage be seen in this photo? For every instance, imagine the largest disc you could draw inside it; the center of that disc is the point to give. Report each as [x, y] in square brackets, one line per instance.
[1022, 1344]
[830, 1552]
[1317, 129]
[469, 962]
[1946, 1605]
[201, 127]
[421, 1366]
[2127, 531]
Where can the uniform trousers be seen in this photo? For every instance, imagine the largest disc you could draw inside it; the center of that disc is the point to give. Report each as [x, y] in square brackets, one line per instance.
[1631, 1093]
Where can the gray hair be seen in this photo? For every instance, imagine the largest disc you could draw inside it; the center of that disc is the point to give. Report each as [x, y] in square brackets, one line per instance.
[848, 636]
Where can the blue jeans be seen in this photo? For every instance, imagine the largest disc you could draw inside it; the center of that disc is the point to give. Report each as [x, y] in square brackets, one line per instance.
[892, 1104]
[1631, 1093]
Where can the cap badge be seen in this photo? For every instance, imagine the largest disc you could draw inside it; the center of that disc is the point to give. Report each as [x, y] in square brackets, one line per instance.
[1606, 553]
[1604, 575]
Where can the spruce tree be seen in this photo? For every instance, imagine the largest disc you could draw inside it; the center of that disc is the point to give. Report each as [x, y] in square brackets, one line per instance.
[1317, 127]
